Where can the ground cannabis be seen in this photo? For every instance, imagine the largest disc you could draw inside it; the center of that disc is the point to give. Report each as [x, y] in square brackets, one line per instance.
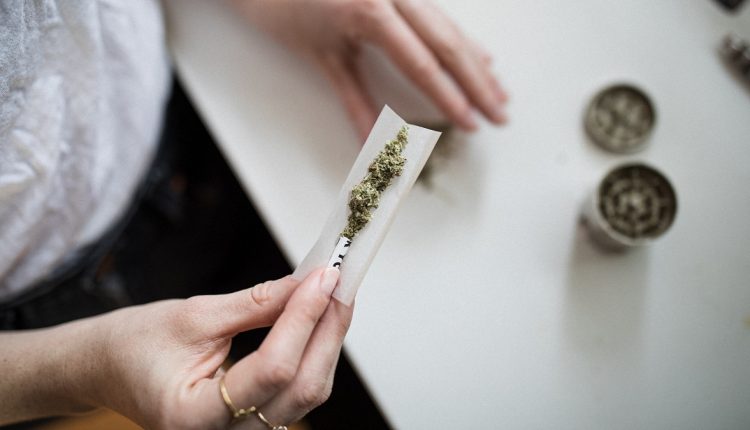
[365, 196]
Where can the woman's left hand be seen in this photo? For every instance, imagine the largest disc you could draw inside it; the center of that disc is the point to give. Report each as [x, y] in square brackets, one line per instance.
[429, 48]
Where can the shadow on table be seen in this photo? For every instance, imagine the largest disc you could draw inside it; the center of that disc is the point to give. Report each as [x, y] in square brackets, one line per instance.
[604, 300]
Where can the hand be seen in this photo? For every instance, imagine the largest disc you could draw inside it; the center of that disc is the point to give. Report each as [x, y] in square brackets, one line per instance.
[452, 70]
[159, 364]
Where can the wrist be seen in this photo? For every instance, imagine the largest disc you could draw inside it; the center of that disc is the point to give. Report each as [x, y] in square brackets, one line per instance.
[48, 372]
[77, 360]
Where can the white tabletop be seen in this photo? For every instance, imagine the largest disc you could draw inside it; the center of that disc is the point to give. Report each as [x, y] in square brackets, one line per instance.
[487, 306]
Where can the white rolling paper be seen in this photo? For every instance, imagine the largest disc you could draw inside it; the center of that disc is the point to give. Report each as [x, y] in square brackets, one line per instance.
[364, 246]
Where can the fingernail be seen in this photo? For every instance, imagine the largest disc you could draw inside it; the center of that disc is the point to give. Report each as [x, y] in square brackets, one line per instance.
[498, 115]
[328, 280]
[502, 96]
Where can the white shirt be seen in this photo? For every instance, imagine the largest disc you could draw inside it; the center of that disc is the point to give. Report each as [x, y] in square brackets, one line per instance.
[82, 89]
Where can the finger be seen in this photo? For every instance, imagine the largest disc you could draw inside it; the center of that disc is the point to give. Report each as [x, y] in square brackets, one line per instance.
[348, 84]
[456, 53]
[481, 52]
[225, 315]
[261, 375]
[314, 381]
[415, 60]
[486, 59]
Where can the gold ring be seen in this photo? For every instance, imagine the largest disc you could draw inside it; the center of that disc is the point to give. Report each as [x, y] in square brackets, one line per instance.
[236, 413]
[265, 421]
[243, 413]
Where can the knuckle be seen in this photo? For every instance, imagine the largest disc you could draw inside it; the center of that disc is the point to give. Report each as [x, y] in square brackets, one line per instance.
[310, 314]
[311, 395]
[278, 375]
[368, 8]
[303, 319]
[411, 3]
[339, 324]
[451, 49]
[366, 15]
[425, 68]
[261, 293]
[341, 327]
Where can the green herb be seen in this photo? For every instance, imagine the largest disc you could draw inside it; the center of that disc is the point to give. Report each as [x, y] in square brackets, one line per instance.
[365, 196]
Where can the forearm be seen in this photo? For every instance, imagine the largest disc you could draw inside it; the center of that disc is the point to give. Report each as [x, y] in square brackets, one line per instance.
[49, 372]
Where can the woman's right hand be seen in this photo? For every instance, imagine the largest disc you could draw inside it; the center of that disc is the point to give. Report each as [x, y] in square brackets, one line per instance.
[166, 355]
[159, 364]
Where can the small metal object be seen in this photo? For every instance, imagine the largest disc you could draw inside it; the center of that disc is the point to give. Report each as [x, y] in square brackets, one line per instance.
[240, 414]
[268, 424]
[237, 413]
[633, 205]
[737, 53]
[620, 119]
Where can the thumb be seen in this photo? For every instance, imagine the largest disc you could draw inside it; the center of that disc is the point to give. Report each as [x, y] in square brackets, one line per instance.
[228, 314]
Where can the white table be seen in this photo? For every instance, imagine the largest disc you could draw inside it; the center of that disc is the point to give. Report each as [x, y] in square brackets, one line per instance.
[487, 307]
